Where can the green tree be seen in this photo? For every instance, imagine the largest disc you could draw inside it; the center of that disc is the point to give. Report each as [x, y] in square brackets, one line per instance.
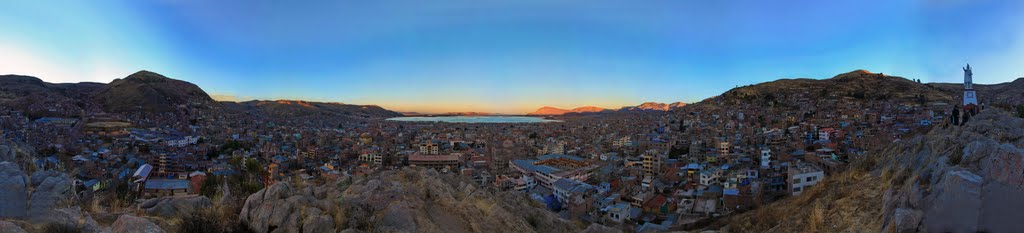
[209, 186]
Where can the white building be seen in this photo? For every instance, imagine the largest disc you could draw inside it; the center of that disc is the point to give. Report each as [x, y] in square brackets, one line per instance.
[708, 177]
[430, 148]
[182, 141]
[525, 183]
[371, 158]
[803, 176]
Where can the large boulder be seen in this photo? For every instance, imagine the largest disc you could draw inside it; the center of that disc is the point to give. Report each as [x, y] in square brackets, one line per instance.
[52, 190]
[318, 223]
[9, 227]
[965, 179]
[279, 208]
[1001, 207]
[957, 204]
[7, 153]
[397, 218]
[131, 224]
[13, 191]
[72, 217]
[175, 206]
[907, 220]
[598, 228]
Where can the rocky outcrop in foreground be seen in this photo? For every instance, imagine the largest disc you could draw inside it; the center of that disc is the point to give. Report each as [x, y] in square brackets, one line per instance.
[952, 179]
[49, 191]
[408, 200]
[960, 179]
[128, 223]
[9, 227]
[13, 191]
[52, 190]
[172, 206]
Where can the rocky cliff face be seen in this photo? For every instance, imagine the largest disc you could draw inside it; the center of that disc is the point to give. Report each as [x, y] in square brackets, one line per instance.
[13, 190]
[960, 179]
[42, 199]
[408, 200]
[952, 179]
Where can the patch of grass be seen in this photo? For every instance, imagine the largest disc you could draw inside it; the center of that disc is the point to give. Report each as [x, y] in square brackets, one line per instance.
[955, 158]
[533, 221]
[61, 228]
[199, 224]
[219, 219]
[816, 221]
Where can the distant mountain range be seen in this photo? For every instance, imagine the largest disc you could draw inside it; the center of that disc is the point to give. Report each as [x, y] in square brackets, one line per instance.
[648, 106]
[298, 108]
[450, 114]
[146, 91]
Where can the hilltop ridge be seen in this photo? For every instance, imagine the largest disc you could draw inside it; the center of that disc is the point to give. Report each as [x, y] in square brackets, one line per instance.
[646, 106]
[149, 91]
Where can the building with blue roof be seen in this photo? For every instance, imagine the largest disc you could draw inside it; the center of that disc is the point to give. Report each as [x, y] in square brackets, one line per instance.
[549, 168]
[165, 187]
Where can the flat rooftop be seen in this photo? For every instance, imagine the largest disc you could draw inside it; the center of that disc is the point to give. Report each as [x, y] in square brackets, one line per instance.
[166, 184]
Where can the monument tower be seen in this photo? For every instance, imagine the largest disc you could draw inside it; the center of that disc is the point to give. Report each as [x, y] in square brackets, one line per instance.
[970, 98]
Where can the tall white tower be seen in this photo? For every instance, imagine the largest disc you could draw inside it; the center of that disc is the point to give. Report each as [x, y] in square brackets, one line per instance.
[970, 98]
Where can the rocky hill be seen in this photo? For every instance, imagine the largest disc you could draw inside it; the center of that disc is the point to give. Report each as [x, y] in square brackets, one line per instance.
[146, 91]
[859, 86]
[549, 111]
[406, 200]
[648, 106]
[952, 179]
[653, 106]
[38, 98]
[150, 92]
[587, 109]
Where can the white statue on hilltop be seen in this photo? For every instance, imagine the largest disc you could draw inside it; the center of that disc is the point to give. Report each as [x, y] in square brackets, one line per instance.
[970, 97]
[968, 76]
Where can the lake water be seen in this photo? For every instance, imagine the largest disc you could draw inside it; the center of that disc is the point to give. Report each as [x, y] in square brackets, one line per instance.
[475, 119]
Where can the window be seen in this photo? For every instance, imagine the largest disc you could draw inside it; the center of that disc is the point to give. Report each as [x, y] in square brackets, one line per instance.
[809, 179]
[796, 189]
[796, 181]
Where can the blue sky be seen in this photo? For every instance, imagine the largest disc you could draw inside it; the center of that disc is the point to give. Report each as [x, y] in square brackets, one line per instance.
[506, 56]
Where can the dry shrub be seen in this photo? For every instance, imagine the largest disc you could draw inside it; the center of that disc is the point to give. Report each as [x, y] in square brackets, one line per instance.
[816, 221]
[216, 219]
[60, 228]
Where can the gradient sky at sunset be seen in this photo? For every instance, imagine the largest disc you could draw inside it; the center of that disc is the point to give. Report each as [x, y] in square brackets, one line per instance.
[506, 56]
